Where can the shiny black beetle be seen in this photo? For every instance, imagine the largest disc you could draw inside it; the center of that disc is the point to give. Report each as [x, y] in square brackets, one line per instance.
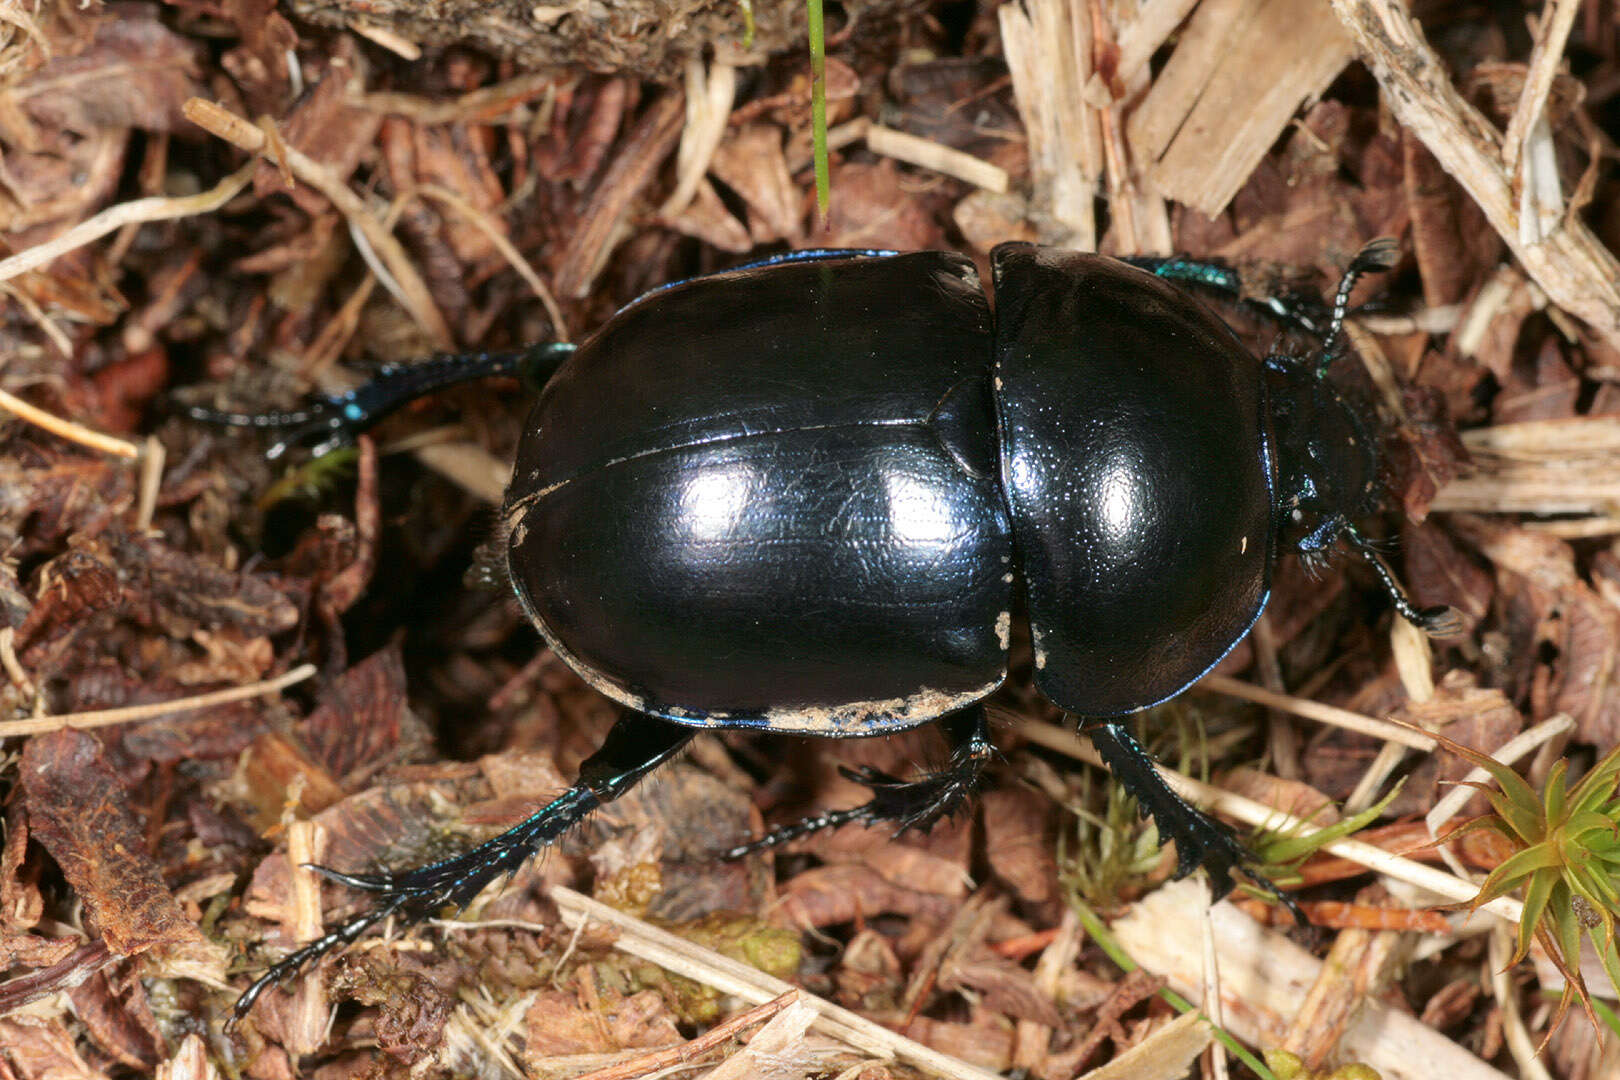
[801, 496]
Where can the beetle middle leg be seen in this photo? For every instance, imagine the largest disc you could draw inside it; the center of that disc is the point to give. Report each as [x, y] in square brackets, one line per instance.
[1200, 840]
[913, 804]
[635, 746]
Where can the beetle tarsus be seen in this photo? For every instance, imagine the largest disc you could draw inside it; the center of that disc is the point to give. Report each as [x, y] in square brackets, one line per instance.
[634, 747]
[911, 804]
[1439, 621]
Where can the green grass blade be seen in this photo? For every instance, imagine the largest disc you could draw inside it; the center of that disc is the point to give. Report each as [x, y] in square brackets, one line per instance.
[818, 105]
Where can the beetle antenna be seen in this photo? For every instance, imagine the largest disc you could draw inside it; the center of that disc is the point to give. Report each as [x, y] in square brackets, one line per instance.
[1439, 621]
[1377, 256]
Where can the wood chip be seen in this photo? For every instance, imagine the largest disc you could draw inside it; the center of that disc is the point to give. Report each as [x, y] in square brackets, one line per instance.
[1264, 59]
[1264, 979]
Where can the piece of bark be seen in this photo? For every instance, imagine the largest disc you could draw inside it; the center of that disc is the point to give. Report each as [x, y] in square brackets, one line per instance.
[647, 38]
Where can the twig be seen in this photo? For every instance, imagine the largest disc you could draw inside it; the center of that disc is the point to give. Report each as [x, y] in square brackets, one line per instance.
[157, 208]
[477, 106]
[1260, 815]
[1570, 264]
[732, 977]
[1313, 710]
[936, 156]
[67, 429]
[151, 479]
[394, 43]
[106, 717]
[220, 121]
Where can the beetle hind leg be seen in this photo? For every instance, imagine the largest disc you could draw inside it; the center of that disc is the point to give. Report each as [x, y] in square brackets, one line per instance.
[634, 747]
[1200, 840]
[911, 804]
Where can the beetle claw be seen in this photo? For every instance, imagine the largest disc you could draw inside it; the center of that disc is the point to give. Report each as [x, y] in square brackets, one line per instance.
[1442, 621]
[373, 883]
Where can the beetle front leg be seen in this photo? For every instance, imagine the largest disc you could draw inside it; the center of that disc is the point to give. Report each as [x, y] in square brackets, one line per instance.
[634, 747]
[913, 804]
[1200, 840]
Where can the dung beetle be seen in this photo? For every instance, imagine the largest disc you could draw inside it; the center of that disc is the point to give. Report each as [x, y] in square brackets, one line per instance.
[804, 495]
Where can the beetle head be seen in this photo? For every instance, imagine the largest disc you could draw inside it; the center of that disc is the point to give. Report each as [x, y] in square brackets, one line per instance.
[1327, 460]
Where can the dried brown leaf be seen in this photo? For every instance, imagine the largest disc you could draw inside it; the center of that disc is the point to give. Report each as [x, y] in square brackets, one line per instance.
[828, 895]
[77, 811]
[119, 1019]
[136, 73]
[1018, 843]
[357, 722]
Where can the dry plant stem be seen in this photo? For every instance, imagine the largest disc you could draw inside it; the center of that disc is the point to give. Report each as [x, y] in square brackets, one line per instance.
[58, 337]
[1258, 814]
[640, 154]
[1548, 440]
[1569, 264]
[731, 977]
[152, 458]
[1410, 648]
[936, 156]
[11, 665]
[106, 717]
[1569, 466]
[1500, 974]
[1312, 710]
[394, 43]
[710, 95]
[225, 124]
[471, 467]
[1282, 743]
[693, 1049]
[67, 429]
[477, 106]
[133, 212]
